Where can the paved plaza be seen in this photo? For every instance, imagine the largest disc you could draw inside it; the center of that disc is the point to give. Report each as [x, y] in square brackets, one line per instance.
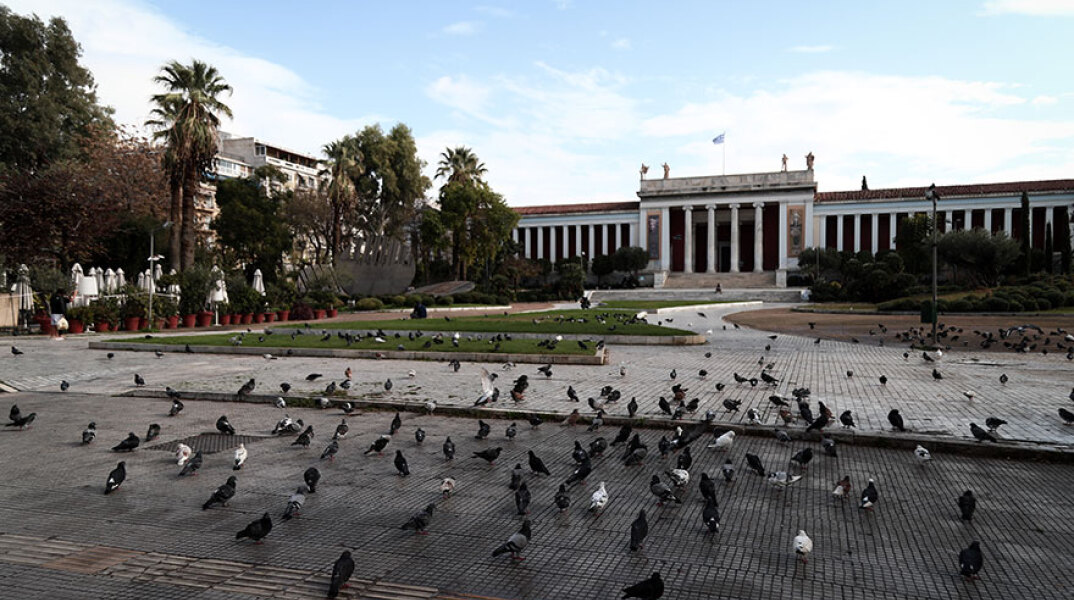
[63, 538]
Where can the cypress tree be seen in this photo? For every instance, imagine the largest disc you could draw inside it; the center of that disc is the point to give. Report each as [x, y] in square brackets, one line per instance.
[1025, 241]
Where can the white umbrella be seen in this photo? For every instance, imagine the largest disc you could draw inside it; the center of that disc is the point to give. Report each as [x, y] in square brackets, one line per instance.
[121, 279]
[141, 280]
[259, 282]
[157, 271]
[23, 290]
[148, 280]
[218, 292]
[109, 281]
[99, 276]
[87, 288]
[76, 275]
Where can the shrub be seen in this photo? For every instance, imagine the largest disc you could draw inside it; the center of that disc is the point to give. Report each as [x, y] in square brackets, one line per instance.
[1043, 304]
[1015, 306]
[960, 305]
[995, 304]
[445, 300]
[369, 304]
[300, 311]
[1069, 299]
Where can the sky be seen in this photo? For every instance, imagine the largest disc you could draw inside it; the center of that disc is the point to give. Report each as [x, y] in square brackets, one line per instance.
[564, 100]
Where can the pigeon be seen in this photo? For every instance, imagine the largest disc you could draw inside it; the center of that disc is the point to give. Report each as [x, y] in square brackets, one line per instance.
[728, 470]
[828, 445]
[639, 529]
[222, 494]
[802, 458]
[753, 417]
[522, 499]
[240, 457]
[842, 488]
[679, 477]
[449, 449]
[116, 477]
[724, 441]
[311, 477]
[378, 445]
[177, 407]
[419, 435]
[981, 434]
[571, 418]
[562, 499]
[597, 421]
[883, 380]
[647, 589]
[153, 433]
[599, 499]
[636, 452]
[430, 406]
[280, 403]
[330, 451]
[127, 445]
[623, 435]
[191, 467]
[819, 423]
[662, 491]
[782, 479]
[869, 496]
[516, 543]
[711, 515]
[803, 545]
[330, 388]
[224, 426]
[342, 429]
[64, 385]
[401, 464]
[395, 425]
[579, 454]
[511, 432]
[1066, 415]
[782, 436]
[922, 454]
[993, 424]
[419, 521]
[967, 503]
[183, 454]
[285, 387]
[517, 474]
[483, 430]
[754, 462]
[388, 385]
[294, 504]
[970, 561]
[487, 390]
[846, 419]
[537, 465]
[580, 473]
[341, 572]
[138, 380]
[247, 388]
[489, 454]
[1003, 378]
[447, 487]
[89, 433]
[632, 407]
[257, 530]
[685, 460]
[16, 352]
[22, 422]
[731, 405]
[896, 420]
[311, 377]
[535, 421]
[305, 438]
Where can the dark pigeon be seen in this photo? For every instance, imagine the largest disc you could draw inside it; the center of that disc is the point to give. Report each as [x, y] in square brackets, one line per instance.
[648, 589]
[639, 529]
[341, 572]
[222, 494]
[257, 530]
[127, 445]
[116, 477]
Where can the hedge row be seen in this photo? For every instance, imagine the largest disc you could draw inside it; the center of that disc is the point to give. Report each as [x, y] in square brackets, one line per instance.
[412, 300]
[1025, 298]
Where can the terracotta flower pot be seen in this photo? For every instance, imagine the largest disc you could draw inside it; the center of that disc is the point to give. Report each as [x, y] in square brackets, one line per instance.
[143, 323]
[205, 319]
[284, 315]
[332, 312]
[225, 319]
[247, 318]
[190, 320]
[270, 317]
[172, 322]
[103, 327]
[319, 313]
[259, 317]
[75, 326]
[131, 323]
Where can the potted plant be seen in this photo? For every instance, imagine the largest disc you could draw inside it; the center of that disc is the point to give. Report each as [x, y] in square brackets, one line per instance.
[270, 315]
[78, 317]
[224, 308]
[195, 284]
[105, 313]
[165, 312]
[133, 310]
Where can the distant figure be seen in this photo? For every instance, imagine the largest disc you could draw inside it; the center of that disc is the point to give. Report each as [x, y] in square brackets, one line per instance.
[420, 312]
[585, 303]
[57, 305]
[644, 170]
[784, 169]
[864, 184]
[719, 290]
[667, 170]
[809, 161]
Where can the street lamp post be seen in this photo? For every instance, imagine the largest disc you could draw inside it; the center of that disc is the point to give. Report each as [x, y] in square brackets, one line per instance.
[934, 197]
[153, 258]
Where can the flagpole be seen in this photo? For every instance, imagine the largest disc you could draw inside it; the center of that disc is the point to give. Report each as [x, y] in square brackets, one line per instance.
[723, 167]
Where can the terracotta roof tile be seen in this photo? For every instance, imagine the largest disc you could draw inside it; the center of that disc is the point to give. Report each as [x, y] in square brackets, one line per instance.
[571, 209]
[973, 189]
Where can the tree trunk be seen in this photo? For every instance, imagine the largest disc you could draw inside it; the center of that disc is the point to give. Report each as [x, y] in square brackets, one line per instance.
[190, 225]
[175, 234]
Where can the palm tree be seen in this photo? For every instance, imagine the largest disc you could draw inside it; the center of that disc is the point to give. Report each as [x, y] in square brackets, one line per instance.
[344, 162]
[187, 121]
[460, 165]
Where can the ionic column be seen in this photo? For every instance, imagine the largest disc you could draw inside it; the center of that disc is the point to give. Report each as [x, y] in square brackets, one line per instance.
[758, 237]
[1007, 225]
[540, 242]
[783, 233]
[857, 232]
[592, 244]
[688, 240]
[734, 238]
[893, 220]
[711, 249]
[520, 237]
[874, 235]
[988, 220]
[665, 239]
[566, 242]
[615, 237]
[822, 233]
[642, 235]
[839, 233]
[552, 243]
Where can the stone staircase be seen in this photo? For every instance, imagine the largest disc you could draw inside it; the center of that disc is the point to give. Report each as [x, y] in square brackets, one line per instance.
[727, 281]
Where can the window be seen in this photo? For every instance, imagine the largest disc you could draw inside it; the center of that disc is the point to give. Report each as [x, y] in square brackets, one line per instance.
[259, 149]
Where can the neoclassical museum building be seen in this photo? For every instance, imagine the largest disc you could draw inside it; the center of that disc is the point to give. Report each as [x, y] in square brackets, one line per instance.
[748, 229]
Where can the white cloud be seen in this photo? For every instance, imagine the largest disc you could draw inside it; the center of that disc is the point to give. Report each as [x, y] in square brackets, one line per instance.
[621, 44]
[495, 11]
[125, 43]
[1035, 8]
[811, 49]
[1045, 100]
[462, 28]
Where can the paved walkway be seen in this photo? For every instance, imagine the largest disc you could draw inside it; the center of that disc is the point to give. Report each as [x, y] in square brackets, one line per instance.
[1038, 385]
[159, 543]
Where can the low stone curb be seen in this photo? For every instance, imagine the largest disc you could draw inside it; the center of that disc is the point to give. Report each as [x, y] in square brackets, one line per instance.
[742, 304]
[1010, 450]
[626, 340]
[599, 358]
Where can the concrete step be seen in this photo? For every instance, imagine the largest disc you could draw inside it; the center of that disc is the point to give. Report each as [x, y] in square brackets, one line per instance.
[726, 280]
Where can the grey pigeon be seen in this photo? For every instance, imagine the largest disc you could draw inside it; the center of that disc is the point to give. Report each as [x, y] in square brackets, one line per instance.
[647, 589]
[420, 521]
[294, 504]
[449, 449]
[522, 499]
[562, 499]
[516, 543]
[662, 491]
[639, 530]
[191, 467]
[89, 433]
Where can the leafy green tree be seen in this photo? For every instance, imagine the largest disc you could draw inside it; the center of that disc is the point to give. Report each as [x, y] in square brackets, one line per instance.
[977, 254]
[480, 223]
[630, 259]
[389, 186]
[602, 266]
[249, 224]
[914, 244]
[1027, 254]
[187, 120]
[48, 101]
[309, 216]
[343, 166]
[460, 165]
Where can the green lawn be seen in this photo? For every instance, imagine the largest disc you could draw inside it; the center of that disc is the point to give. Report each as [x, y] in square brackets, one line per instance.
[595, 322]
[312, 339]
[654, 304]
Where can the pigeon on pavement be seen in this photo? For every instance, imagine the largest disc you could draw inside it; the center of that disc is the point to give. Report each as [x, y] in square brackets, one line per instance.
[341, 572]
[647, 589]
[419, 521]
[116, 477]
[803, 545]
[378, 445]
[662, 491]
[294, 504]
[711, 515]
[869, 496]
[967, 503]
[224, 426]
[922, 454]
[970, 561]
[639, 529]
[489, 454]
[516, 543]
[191, 467]
[89, 433]
[401, 464]
[222, 494]
[537, 465]
[127, 445]
[981, 434]
[257, 530]
[599, 499]
[311, 477]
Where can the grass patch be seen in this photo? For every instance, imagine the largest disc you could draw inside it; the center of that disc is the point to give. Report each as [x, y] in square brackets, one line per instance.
[654, 304]
[311, 339]
[595, 322]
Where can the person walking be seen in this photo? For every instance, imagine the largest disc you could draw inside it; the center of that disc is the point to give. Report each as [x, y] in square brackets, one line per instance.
[57, 305]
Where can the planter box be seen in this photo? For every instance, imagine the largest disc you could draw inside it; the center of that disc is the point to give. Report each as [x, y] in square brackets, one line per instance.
[143, 323]
[247, 318]
[284, 315]
[75, 326]
[319, 313]
[190, 321]
[205, 319]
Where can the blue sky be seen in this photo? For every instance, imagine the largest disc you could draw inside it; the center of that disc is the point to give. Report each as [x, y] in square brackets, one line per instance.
[564, 100]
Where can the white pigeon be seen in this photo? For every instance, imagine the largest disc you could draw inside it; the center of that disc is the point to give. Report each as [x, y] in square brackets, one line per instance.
[969, 394]
[679, 477]
[269, 357]
[430, 406]
[280, 402]
[486, 387]
[240, 456]
[803, 545]
[622, 369]
[724, 441]
[322, 402]
[641, 316]
[411, 373]
[782, 478]
[378, 339]
[599, 499]
[182, 454]
[839, 492]
[753, 416]
[923, 455]
[447, 487]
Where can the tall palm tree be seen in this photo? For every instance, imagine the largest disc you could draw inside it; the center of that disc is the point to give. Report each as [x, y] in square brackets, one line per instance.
[187, 121]
[344, 163]
[460, 165]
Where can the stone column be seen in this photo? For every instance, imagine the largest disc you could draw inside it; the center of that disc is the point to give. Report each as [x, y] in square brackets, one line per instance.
[893, 220]
[821, 240]
[988, 220]
[592, 244]
[874, 237]
[809, 240]
[566, 241]
[665, 239]
[1007, 225]
[839, 232]
[615, 237]
[629, 241]
[783, 233]
[857, 232]
[688, 240]
[734, 238]
[642, 236]
[521, 239]
[758, 237]
[710, 250]
[552, 244]
[540, 242]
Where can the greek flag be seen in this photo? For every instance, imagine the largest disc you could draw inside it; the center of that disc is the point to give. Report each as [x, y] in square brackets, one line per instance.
[718, 139]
